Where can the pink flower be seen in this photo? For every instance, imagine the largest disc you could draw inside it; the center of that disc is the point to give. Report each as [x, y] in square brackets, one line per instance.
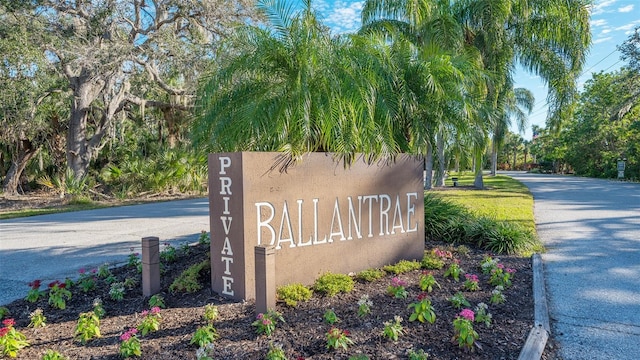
[54, 283]
[266, 322]
[155, 310]
[9, 323]
[396, 281]
[260, 316]
[4, 332]
[82, 271]
[511, 271]
[128, 334]
[35, 284]
[144, 313]
[422, 296]
[500, 266]
[471, 277]
[467, 314]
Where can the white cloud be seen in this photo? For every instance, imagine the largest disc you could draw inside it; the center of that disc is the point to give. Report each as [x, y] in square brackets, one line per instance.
[601, 6]
[601, 40]
[599, 22]
[628, 27]
[605, 31]
[626, 9]
[344, 16]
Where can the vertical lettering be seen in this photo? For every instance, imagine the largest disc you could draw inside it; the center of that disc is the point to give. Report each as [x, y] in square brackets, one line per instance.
[225, 186]
[226, 205]
[226, 285]
[226, 261]
[411, 210]
[225, 162]
[226, 224]
[384, 214]
[226, 247]
[265, 223]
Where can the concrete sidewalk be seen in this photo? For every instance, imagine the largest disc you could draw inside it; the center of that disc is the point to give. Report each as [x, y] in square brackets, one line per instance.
[591, 229]
[53, 247]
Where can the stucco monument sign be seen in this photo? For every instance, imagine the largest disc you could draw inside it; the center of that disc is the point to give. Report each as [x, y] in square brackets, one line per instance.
[316, 216]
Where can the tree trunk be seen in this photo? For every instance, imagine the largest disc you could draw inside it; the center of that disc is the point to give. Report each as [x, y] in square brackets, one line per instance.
[515, 153]
[478, 182]
[428, 166]
[439, 181]
[25, 152]
[494, 159]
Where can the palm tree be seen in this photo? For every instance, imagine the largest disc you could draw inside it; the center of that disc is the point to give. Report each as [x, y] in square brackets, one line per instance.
[515, 101]
[442, 76]
[549, 38]
[292, 87]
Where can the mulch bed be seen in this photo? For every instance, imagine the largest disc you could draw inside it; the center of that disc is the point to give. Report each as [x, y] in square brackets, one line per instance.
[302, 335]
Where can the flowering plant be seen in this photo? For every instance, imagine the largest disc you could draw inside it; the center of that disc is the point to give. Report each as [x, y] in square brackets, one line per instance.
[266, 323]
[337, 338]
[37, 319]
[422, 310]
[98, 309]
[427, 281]
[133, 260]
[116, 292]
[497, 297]
[463, 328]
[471, 282]
[458, 300]
[330, 317]
[168, 254]
[11, 340]
[53, 355]
[58, 295]
[88, 327]
[487, 264]
[396, 289]
[205, 352]
[157, 300]
[210, 313]
[454, 270]
[204, 335]
[393, 329]
[442, 254]
[483, 315]
[130, 345]
[150, 321]
[501, 276]
[35, 293]
[276, 352]
[87, 281]
[364, 306]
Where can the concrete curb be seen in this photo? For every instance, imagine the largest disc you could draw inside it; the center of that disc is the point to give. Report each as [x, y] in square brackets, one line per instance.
[539, 334]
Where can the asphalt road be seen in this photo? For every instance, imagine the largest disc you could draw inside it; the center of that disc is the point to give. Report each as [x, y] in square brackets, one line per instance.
[53, 247]
[591, 229]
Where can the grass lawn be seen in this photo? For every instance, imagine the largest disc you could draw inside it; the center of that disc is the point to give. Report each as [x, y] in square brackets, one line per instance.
[503, 199]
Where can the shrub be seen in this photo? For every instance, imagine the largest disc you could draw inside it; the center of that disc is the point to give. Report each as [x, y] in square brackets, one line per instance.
[431, 262]
[509, 238]
[293, 293]
[189, 280]
[402, 266]
[444, 220]
[370, 275]
[331, 284]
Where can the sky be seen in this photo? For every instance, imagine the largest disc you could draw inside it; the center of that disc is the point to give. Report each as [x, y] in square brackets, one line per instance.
[612, 22]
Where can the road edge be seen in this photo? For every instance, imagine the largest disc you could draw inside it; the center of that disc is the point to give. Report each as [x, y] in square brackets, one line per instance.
[539, 334]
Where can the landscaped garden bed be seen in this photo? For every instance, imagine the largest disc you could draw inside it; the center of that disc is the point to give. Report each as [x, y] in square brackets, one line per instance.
[304, 332]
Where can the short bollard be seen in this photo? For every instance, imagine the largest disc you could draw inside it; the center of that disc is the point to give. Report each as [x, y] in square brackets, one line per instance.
[150, 266]
[455, 181]
[265, 278]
